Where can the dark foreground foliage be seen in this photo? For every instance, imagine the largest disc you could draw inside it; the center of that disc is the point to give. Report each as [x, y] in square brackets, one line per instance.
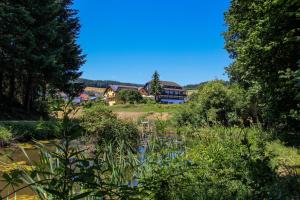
[38, 54]
[263, 41]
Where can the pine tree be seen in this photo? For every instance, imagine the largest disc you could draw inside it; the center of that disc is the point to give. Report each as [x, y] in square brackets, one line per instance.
[155, 89]
[71, 57]
[38, 51]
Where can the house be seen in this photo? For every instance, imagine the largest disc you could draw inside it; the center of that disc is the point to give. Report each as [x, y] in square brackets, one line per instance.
[172, 93]
[143, 91]
[84, 97]
[111, 92]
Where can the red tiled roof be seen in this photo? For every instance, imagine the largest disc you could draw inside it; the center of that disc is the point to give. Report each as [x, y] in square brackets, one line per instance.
[84, 97]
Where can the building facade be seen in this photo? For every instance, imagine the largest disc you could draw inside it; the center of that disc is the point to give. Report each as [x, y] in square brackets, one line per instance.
[172, 93]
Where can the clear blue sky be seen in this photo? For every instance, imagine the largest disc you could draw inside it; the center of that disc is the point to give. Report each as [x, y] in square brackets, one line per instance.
[127, 40]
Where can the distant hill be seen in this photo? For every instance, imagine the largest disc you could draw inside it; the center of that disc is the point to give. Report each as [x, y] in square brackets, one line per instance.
[104, 83]
[194, 86]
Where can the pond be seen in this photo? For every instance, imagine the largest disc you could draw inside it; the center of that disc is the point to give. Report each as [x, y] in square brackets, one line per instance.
[16, 155]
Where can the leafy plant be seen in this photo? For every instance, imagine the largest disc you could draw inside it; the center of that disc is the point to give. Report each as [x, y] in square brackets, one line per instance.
[5, 136]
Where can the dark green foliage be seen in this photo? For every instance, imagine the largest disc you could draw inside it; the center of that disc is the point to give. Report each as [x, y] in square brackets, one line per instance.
[263, 40]
[38, 53]
[26, 131]
[129, 96]
[155, 88]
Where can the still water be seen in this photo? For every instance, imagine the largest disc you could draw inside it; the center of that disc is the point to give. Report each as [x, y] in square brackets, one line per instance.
[15, 154]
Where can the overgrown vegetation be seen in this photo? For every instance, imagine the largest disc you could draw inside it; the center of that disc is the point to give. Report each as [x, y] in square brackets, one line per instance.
[24, 131]
[216, 163]
[205, 163]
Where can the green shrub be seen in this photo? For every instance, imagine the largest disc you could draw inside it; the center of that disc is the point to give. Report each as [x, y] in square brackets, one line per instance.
[96, 117]
[215, 103]
[5, 136]
[148, 101]
[102, 126]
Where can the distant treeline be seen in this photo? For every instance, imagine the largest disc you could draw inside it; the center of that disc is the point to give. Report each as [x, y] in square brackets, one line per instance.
[194, 86]
[105, 83]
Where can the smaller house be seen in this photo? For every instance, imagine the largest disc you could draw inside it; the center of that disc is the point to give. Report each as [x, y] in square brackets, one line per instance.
[143, 91]
[81, 98]
[111, 92]
[84, 97]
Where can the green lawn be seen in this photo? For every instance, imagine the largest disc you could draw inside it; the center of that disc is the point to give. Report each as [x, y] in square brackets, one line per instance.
[160, 108]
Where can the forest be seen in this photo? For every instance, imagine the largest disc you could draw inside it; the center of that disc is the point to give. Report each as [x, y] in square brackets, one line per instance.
[236, 139]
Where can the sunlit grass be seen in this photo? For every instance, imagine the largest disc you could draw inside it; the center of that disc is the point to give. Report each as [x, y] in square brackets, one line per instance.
[161, 108]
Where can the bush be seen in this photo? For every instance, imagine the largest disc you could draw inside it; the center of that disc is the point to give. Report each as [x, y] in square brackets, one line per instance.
[102, 126]
[215, 103]
[95, 118]
[148, 101]
[5, 136]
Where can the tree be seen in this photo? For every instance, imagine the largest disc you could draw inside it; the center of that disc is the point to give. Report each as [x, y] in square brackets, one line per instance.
[129, 96]
[155, 88]
[263, 41]
[71, 57]
[217, 103]
[38, 52]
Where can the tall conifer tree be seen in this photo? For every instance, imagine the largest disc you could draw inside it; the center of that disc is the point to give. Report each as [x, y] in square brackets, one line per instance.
[38, 51]
[155, 89]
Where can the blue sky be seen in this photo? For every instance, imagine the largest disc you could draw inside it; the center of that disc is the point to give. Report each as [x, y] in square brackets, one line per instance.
[127, 40]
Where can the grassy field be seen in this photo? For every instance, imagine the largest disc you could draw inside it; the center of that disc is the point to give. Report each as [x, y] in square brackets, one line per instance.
[147, 108]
